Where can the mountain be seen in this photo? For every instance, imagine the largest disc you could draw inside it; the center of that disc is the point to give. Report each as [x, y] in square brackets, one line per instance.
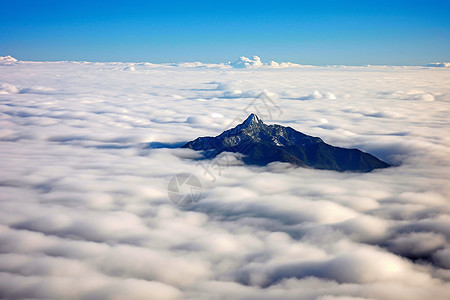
[261, 144]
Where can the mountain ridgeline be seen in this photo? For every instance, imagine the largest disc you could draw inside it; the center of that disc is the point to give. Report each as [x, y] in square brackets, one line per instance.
[261, 144]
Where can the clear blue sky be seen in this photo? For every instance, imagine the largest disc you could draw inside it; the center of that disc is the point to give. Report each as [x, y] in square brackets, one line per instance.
[309, 32]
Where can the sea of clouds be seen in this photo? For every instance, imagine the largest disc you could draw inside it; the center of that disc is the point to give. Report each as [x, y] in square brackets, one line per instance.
[87, 151]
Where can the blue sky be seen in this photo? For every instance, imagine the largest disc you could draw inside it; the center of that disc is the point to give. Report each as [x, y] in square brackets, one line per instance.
[308, 32]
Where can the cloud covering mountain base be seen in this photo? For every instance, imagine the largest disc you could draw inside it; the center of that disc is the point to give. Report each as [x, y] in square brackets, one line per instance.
[87, 151]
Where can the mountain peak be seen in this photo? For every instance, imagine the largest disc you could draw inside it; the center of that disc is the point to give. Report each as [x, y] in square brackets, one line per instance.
[252, 119]
[261, 144]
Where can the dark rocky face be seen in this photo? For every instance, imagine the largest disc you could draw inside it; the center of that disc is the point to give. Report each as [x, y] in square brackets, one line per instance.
[261, 144]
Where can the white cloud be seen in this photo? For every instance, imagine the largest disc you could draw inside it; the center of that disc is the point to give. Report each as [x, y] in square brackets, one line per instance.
[414, 94]
[7, 60]
[211, 120]
[255, 62]
[87, 151]
[439, 64]
[417, 244]
[313, 96]
[130, 67]
[245, 62]
[274, 64]
[6, 88]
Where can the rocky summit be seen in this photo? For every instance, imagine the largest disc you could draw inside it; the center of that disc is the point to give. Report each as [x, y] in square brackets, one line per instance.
[261, 144]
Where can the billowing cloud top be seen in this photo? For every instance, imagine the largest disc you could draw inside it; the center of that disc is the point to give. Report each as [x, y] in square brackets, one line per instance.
[255, 62]
[87, 151]
[7, 60]
[244, 62]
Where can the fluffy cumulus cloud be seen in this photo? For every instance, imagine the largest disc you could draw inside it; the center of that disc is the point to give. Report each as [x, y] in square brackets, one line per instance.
[255, 62]
[275, 64]
[87, 151]
[245, 62]
[7, 60]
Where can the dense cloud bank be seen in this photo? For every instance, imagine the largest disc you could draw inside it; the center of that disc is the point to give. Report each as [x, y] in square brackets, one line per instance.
[87, 151]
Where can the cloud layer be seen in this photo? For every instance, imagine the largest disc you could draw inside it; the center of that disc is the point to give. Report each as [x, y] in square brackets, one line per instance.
[87, 151]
